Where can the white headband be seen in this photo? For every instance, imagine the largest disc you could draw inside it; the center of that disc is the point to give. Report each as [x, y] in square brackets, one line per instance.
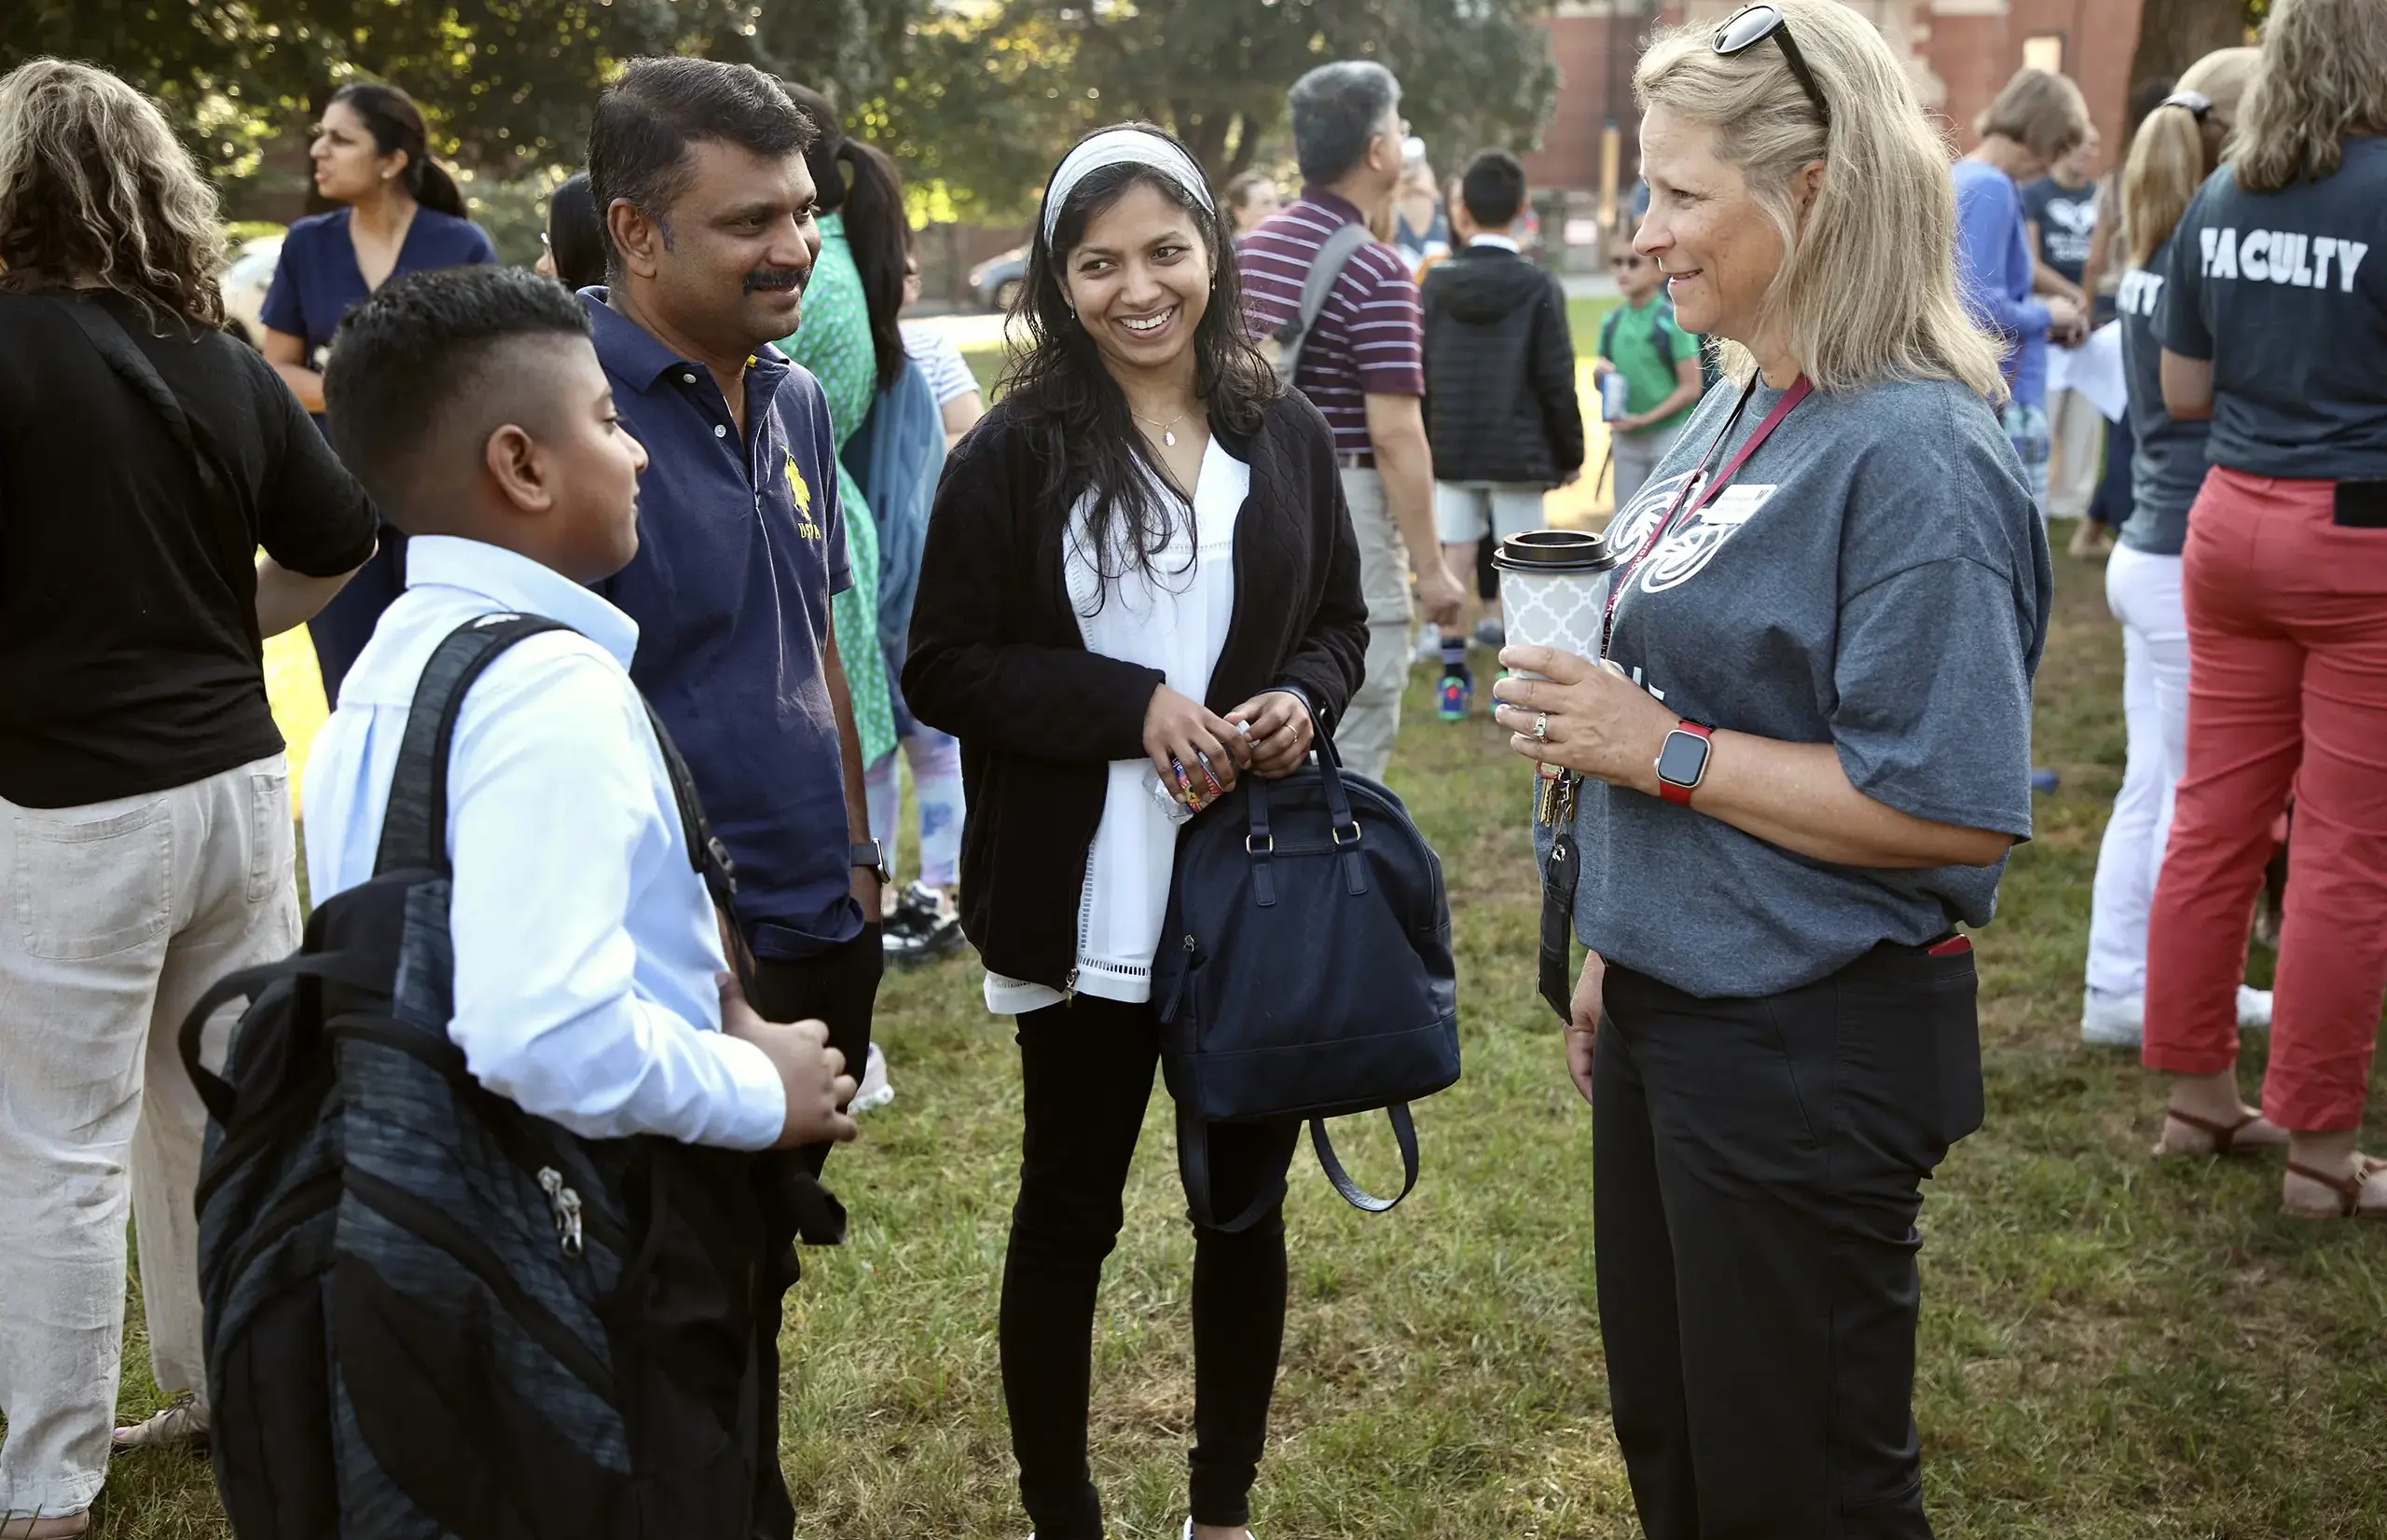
[1120, 147]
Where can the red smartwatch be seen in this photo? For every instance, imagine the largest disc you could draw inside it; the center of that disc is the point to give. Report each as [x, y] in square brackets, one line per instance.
[1682, 763]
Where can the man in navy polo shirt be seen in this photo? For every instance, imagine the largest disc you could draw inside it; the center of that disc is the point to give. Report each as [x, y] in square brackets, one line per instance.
[699, 170]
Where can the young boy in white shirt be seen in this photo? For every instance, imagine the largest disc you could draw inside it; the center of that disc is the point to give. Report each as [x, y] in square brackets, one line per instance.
[590, 986]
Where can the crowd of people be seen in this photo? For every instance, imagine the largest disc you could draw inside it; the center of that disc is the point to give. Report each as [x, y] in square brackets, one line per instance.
[789, 547]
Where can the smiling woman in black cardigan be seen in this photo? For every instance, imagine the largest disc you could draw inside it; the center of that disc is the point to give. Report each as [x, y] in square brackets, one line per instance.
[1140, 582]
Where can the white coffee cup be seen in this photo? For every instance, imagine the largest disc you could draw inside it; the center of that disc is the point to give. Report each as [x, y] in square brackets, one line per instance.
[1554, 589]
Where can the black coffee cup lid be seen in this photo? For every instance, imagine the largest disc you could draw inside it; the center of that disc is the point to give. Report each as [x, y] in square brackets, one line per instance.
[1552, 551]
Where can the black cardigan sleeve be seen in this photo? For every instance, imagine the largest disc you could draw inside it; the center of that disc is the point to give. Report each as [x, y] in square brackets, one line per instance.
[967, 672]
[1332, 659]
[1553, 380]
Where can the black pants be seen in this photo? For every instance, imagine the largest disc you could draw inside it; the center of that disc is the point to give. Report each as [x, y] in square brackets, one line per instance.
[1759, 1167]
[1088, 1070]
[839, 987]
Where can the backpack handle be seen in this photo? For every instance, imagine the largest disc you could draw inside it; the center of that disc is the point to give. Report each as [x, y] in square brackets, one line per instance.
[1193, 1151]
[248, 984]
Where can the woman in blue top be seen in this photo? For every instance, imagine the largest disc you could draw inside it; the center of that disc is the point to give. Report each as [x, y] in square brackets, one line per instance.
[401, 212]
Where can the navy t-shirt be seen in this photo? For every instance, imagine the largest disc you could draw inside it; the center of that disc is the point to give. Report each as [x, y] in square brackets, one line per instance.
[2286, 294]
[2067, 222]
[741, 544]
[317, 281]
[2169, 465]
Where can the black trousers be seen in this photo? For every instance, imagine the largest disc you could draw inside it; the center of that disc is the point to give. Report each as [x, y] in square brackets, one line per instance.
[1758, 1167]
[839, 987]
[1088, 1067]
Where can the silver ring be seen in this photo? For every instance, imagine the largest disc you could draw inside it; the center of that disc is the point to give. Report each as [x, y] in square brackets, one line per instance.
[1541, 727]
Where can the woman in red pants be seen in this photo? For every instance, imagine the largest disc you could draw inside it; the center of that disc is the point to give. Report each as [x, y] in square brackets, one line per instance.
[2273, 319]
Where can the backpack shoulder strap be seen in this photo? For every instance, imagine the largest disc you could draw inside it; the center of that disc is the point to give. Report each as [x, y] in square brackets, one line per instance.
[414, 830]
[1608, 332]
[1333, 255]
[124, 357]
[1662, 341]
[706, 853]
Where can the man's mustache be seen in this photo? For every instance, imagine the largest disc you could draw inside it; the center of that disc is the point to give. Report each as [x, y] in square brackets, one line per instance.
[777, 278]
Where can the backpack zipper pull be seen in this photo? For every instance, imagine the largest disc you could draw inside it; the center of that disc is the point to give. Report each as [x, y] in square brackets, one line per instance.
[565, 1205]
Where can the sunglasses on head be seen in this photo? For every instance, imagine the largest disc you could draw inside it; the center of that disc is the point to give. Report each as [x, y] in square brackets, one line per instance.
[1745, 29]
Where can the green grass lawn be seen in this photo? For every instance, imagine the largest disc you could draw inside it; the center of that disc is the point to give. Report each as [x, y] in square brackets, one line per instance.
[2110, 1350]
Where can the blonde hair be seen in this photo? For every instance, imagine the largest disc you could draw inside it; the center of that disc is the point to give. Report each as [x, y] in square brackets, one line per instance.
[1867, 289]
[2172, 153]
[2044, 113]
[95, 189]
[2323, 75]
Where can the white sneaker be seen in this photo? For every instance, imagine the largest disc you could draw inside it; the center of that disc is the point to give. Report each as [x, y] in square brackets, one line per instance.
[1189, 1530]
[873, 1091]
[2112, 1021]
[2253, 1008]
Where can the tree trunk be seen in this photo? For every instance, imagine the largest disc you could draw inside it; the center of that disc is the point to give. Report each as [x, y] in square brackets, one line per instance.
[2174, 34]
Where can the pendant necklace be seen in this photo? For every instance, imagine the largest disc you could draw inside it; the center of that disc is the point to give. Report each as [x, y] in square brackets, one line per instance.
[1168, 430]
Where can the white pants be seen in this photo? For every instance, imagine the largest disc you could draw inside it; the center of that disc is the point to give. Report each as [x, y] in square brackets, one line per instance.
[1373, 719]
[2143, 592]
[2076, 442]
[118, 916]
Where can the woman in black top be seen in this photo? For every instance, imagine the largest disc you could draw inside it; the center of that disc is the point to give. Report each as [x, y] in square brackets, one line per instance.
[1140, 582]
[145, 812]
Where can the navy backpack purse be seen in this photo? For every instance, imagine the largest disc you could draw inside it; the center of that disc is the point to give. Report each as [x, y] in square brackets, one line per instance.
[1304, 971]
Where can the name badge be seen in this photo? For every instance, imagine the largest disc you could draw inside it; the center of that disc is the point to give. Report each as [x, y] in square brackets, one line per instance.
[1736, 502]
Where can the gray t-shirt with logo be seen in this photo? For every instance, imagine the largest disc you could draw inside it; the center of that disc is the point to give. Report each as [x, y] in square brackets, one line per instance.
[2167, 470]
[2287, 293]
[1876, 578]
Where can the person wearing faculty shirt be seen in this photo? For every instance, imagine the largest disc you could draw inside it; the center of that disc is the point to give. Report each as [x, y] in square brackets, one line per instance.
[590, 983]
[2272, 317]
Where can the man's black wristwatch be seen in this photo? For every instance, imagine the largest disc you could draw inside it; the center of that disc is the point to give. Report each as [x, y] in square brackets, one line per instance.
[867, 853]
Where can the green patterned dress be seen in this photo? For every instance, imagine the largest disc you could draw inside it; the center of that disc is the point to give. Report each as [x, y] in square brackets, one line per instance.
[832, 340]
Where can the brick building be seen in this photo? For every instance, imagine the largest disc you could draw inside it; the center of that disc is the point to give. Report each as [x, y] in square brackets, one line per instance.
[1961, 52]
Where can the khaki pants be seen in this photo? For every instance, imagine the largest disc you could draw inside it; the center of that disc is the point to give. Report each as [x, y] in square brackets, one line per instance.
[2078, 433]
[114, 919]
[1373, 719]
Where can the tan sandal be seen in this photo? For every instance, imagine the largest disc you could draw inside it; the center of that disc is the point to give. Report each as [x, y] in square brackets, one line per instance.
[2348, 1189]
[64, 1526]
[2221, 1139]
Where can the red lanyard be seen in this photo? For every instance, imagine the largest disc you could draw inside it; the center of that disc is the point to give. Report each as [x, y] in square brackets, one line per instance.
[1706, 490]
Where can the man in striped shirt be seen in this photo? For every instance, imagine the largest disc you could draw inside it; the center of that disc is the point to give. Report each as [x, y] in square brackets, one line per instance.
[1363, 367]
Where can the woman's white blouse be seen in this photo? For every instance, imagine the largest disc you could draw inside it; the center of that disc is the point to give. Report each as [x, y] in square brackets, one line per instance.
[1172, 615]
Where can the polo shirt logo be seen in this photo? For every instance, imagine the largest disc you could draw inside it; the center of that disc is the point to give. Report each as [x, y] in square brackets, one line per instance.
[801, 490]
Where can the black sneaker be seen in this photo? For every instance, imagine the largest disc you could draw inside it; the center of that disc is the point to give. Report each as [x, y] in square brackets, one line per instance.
[920, 929]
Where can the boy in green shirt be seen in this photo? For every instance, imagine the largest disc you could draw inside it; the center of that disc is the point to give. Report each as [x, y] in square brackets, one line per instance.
[1659, 362]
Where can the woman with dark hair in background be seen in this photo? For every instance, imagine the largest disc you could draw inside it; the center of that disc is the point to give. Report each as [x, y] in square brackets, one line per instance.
[2273, 318]
[145, 807]
[839, 339]
[895, 459]
[572, 249]
[1141, 582]
[400, 214]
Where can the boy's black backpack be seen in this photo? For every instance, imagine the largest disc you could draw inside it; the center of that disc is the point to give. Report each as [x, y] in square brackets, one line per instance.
[430, 1314]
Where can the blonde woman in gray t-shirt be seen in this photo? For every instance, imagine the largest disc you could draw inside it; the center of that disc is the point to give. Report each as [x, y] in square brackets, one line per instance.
[1804, 758]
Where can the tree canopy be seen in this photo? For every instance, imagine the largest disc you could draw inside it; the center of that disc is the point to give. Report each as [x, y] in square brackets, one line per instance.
[976, 98]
